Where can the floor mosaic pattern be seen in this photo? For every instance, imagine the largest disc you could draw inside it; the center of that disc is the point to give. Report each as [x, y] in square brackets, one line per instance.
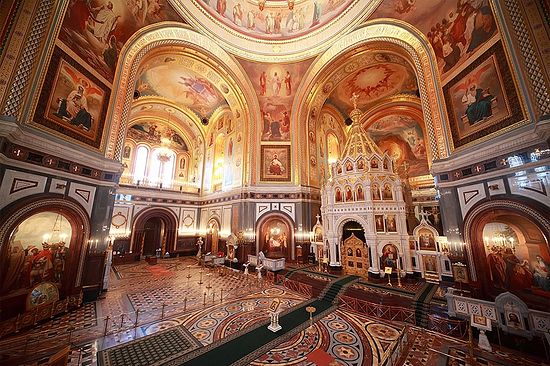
[151, 351]
[219, 321]
[347, 338]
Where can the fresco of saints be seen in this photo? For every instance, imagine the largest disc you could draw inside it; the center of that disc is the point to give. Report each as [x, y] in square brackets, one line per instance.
[103, 21]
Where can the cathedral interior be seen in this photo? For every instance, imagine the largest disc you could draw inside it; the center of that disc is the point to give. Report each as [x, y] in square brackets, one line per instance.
[275, 182]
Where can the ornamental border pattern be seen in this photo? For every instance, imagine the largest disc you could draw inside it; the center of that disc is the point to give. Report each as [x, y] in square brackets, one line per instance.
[530, 57]
[28, 59]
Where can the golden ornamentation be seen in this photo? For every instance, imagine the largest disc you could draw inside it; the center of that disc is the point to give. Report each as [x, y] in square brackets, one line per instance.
[195, 46]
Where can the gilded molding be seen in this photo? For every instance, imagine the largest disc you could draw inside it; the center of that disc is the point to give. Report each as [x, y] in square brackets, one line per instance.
[162, 35]
[533, 68]
[27, 59]
[417, 49]
[273, 50]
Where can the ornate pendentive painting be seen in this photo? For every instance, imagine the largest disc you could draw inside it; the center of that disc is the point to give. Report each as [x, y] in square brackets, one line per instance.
[514, 264]
[455, 29]
[275, 238]
[72, 101]
[403, 139]
[275, 85]
[482, 99]
[275, 20]
[34, 256]
[275, 162]
[96, 30]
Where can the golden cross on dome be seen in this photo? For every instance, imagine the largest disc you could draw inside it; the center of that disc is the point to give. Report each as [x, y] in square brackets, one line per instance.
[353, 99]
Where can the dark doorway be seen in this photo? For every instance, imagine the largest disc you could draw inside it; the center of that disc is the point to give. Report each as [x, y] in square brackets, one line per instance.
[154, 232]
[353, 227]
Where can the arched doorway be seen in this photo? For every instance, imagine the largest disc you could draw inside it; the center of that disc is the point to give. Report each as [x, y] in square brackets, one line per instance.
[153, 236]
[510, 251]
[276, 237]
[355, 253]
[154, 229]
[42, 248]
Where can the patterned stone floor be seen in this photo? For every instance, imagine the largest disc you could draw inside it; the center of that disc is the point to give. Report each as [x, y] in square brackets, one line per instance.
[344, 337]
[341, 337]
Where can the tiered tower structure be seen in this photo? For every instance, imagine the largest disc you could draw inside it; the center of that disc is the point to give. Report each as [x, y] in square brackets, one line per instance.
[364, 188]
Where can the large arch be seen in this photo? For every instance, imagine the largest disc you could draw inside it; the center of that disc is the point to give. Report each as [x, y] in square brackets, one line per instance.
[518, 215]
[172, 34]
[413, 44]
[291, 250]
[164, 214]
[75, 214]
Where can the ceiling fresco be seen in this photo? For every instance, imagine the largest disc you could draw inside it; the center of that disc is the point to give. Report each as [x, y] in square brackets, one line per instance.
[403, 139]
[260, 30]
[96, 30]
[157, 133]
[275, 19]
[455, 29]
[151, 109]
[169, 77]
[385, 75]
[276, 86]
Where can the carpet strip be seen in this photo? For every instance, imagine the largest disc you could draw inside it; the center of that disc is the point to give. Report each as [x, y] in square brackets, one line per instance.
[231, 352]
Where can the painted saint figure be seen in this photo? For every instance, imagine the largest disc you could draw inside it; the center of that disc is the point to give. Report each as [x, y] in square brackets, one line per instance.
[288, 83]
[263, 83]
[478, 104]
[103, 22]
[276, 166]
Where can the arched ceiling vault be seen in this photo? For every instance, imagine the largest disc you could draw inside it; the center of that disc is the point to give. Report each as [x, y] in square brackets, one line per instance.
[182, 120]
[194, 52]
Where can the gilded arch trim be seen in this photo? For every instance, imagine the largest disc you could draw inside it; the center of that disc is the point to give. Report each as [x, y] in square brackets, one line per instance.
[311, 98]
[161, 35]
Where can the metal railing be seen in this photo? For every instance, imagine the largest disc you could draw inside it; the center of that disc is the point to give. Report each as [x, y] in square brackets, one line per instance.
[40, 344]
[396, 350]
[448, 327]
[387, 312]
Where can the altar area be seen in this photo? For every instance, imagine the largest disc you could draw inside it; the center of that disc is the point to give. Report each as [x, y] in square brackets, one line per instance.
[271, 264]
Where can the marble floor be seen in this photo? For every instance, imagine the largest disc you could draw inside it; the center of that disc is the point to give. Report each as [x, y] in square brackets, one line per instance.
[211, 304]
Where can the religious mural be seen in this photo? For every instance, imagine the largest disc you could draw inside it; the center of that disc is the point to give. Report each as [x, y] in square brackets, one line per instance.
[426, 239]
[156, 133]
[275, 85]
[273, 21]
[455, 29]
[96, 30]
[386, 76]
[35, 256]
[275, 162]
[513, 265]
[169, 78]
[275, 238]
[402, 138]
[72, 101]
[389, 256]
[478, 100]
